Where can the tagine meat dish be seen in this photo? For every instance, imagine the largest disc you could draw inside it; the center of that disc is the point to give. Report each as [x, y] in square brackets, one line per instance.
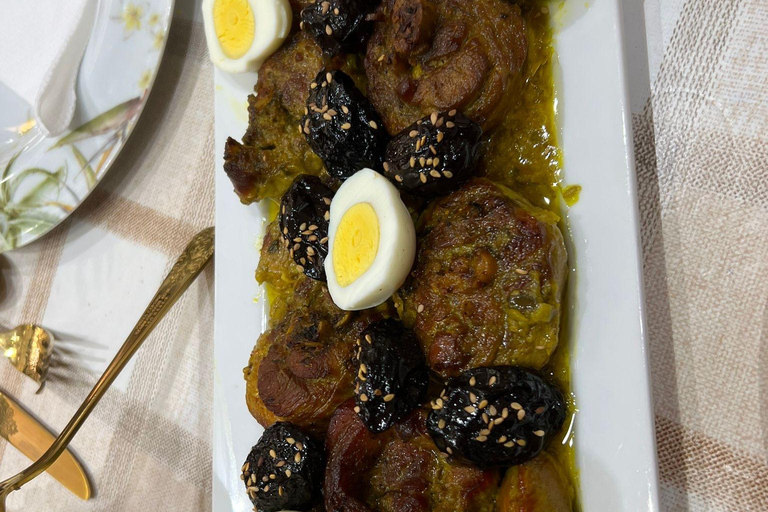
[416, 358]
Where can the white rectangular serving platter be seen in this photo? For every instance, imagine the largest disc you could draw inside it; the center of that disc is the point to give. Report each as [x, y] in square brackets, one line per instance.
[614, 441]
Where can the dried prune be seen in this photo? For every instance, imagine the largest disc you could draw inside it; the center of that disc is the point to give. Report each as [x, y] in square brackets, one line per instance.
[304, 214]
[341, 125]
[337, 25]
[284, 470]
[392, 376]
[496, 416]
[435, 154]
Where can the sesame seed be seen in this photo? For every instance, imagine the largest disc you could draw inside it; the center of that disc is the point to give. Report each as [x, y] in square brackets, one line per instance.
[509, 444]
[452, 112]
[344, 109]
[539, 433]
[412, 162]
[253, 489]
[492, 410]
[246, 466]
[448, 174]
[520, 414]
[482, 439]
[420, 308]
[377, 392]
[399, 178]
[312, 238]
[373, 124]
[363, 397]
[389, 397]
[516, 406]
[423, 178]
[448, 449]
[505, 413]
[492, 380]
[498, 421]
[418, 144]
[521, 271]
[486, 419]
[472, 397]
[290, 440]
[327, 200]
[266, 489]
[327, 215]
[264, 479]
[502, 439]
[299, 446]
[432, 149]
[439, 403]
[327, 116]
[441, 423]
[303, 261]
[301, 25]
[242, 477]
[313, 85]
[368, 338]
[385, 165]
[328, 30]
[485, 432]
[332, 112]
[325, 6]
[440, 123]
[540, 410]
[482, 404]
[357, 409]
[381, 58]
[433, 117]
[449, 124]
[301, 269]
[280, 490]
[324, 240]
[297, 457]
[272, 454]
[272, 476]
[346, 126]
[521, 442]
[413, 133]
[296, 247]
[306, 130]
[336, 11]
[288, 473]
[470, 409]
[281, 464]
[363, 368]
[472, 381]
[440, 136]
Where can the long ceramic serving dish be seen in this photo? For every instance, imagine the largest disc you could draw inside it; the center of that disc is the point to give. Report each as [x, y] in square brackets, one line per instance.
[614, 441]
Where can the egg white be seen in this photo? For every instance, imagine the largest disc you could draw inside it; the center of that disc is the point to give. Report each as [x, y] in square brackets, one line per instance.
[397, 241]
[272, 23]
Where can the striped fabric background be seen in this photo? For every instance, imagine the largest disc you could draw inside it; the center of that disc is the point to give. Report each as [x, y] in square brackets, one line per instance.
[701, 139]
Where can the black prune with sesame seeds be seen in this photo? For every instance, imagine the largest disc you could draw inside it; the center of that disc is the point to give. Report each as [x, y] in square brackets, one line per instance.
[284, 470]
[342, 126]
[496, 416]
[338, 25]
[435, 154]
[392, 376]
[304, 215]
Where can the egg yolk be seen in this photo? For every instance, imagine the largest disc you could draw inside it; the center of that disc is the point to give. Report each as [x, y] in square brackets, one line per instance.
[234, 25]
[356, 243]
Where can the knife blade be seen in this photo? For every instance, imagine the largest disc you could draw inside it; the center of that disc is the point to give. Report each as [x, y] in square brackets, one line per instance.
[32, 439]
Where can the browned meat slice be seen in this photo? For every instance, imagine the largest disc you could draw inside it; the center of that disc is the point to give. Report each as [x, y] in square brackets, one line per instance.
[539, 485]
[486, 287]
[273, 151]
[434, 55]
[303, 367]
[400, 470]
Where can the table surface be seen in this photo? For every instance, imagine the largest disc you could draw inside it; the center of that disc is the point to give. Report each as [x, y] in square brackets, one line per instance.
[698, 77]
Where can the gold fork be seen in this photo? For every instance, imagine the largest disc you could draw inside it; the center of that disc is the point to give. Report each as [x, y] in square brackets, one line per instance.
[189, 265]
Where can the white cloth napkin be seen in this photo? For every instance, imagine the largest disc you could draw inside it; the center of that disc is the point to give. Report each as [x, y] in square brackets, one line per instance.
[41, 45]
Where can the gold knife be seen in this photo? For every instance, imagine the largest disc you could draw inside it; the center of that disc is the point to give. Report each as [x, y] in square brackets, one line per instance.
[32, 439]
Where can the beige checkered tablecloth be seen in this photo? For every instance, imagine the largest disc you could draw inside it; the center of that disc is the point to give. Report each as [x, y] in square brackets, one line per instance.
[699, 88]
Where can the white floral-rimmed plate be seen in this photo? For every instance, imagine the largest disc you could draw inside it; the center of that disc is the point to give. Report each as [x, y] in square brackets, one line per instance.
[43, 179]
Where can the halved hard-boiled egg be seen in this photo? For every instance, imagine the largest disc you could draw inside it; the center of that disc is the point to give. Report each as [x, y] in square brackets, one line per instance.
[371, 242]
[242, 33]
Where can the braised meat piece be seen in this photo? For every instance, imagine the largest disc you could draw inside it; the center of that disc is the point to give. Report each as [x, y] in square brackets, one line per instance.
[487, 283]
[304, 366]
[400, 470]
[435, 55]
[274, 150]
[539, 485]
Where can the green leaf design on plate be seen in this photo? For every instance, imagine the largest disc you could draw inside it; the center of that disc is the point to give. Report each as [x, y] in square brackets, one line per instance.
[85, 166]
[109, 121]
